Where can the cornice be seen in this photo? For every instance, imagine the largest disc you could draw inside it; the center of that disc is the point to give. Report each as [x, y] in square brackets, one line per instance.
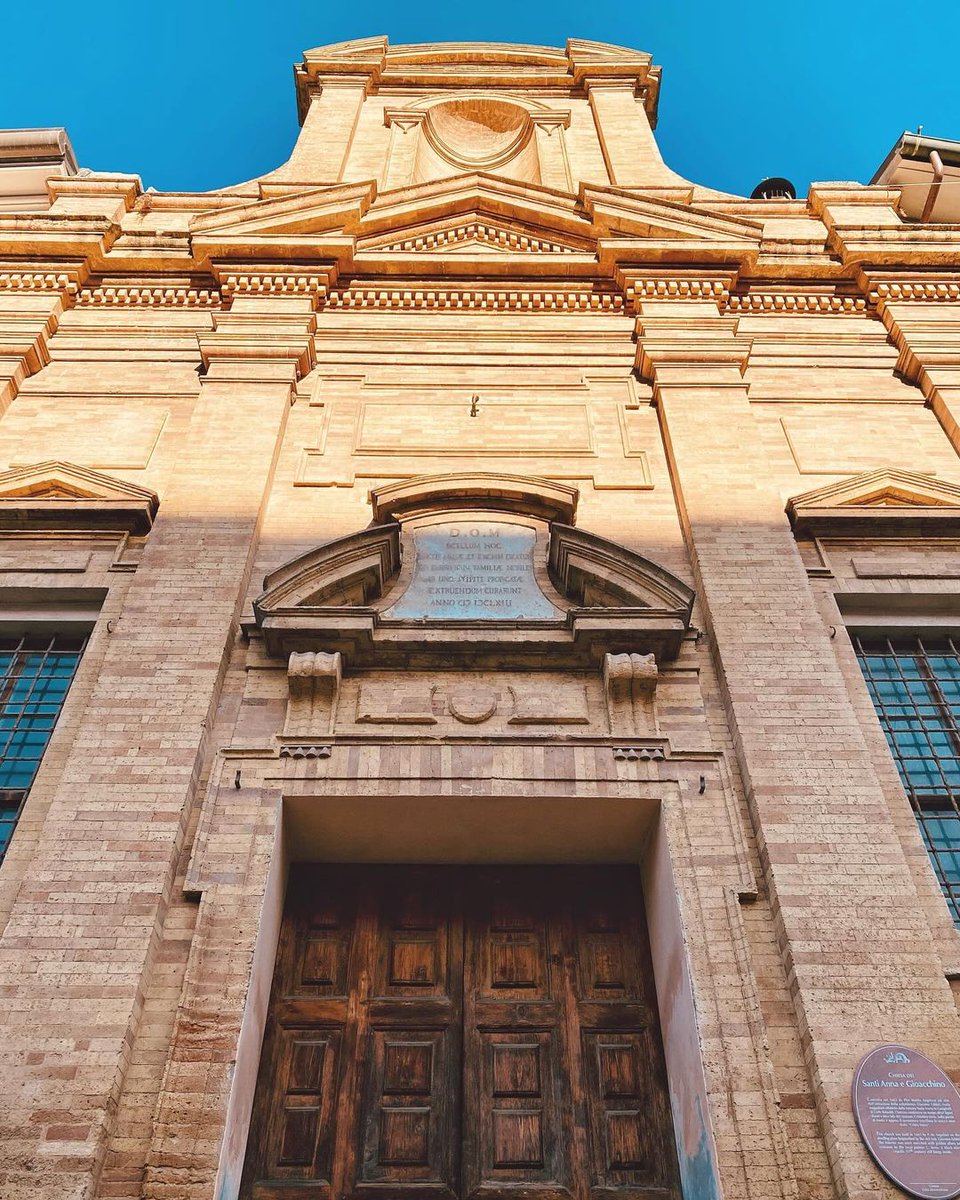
[794, 302]
[934, 287]
[148, 292]
[29, 275]
[473, 241]
[509, 297]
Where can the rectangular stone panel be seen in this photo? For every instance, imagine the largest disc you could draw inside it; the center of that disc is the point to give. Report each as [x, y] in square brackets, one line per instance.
[449, 429]
[843, 439]
[105, 436]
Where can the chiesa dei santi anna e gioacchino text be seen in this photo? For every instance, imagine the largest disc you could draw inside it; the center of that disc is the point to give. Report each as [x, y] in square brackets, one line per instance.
[480, 657]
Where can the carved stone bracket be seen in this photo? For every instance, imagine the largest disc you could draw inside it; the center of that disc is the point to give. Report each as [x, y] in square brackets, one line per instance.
[630, 684]
[314, 691]
[305, 750]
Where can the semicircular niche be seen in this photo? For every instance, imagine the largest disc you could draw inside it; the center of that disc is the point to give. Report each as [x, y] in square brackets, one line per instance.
[478, 133]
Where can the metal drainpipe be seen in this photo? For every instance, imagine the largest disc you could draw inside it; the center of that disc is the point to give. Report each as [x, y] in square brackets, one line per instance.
[937, 163]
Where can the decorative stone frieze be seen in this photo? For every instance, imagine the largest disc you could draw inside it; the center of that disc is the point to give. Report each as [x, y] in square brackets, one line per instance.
[146, 295]
[502, 300]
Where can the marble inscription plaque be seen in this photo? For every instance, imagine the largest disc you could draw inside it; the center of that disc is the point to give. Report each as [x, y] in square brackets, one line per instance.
[908, 1114]
[476, 570]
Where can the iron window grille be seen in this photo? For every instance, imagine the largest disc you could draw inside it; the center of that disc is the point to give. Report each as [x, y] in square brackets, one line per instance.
[914, 683]
[36, 671]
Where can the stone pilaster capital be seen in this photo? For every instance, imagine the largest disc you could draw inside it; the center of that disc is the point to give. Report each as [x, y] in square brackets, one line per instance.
[40, 291]
[611, 83]
[271, 315]
[105, 194]
[689, 346]
[256, 342]
[351, 64]
[596, 67]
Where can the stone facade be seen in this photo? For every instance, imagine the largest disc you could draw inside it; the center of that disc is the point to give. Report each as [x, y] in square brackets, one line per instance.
[474, 293]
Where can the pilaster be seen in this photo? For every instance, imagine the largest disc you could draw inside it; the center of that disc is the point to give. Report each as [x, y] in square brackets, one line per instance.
[116, 825]
[331, 89]
[840, 887]
[630, 150]
[32, 299]
[922, 315]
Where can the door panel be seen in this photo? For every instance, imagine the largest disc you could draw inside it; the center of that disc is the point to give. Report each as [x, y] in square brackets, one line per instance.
[516, 1101]
[484, 1033]
[409, 1119]
[408, 1126]
[300, 1131]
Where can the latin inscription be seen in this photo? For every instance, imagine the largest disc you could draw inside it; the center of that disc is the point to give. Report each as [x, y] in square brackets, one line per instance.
[908, 1113]
[474, 571]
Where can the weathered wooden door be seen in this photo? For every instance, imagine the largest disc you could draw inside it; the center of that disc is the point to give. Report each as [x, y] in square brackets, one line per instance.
[462, 1032]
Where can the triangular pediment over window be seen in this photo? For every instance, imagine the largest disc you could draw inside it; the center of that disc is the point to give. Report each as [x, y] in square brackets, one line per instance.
[61, 495]
[888, 501]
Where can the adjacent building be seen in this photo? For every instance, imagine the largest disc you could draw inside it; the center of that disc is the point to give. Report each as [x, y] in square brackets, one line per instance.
[479, 628]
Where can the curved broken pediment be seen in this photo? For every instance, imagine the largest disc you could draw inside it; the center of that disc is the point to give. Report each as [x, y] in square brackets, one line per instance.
[525, 494]
[596, 573]
[350, 571]
[450, 582]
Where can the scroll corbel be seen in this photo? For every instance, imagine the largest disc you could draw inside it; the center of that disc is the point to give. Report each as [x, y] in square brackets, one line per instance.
[314, 693]
[630, 684]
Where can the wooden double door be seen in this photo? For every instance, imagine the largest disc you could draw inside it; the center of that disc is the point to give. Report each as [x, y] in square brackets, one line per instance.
[474, 1032]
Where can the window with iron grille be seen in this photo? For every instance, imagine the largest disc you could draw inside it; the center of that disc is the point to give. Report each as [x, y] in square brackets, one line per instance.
[915, 686]
[36, 671]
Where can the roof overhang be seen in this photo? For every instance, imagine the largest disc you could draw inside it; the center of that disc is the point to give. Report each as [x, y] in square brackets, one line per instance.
[927, 171]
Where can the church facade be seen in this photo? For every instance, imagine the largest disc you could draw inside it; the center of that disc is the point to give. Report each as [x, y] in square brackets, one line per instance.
[480, 634]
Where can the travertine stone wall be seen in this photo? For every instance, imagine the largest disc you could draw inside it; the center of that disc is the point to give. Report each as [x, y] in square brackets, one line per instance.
[264, 357]
[809, 776]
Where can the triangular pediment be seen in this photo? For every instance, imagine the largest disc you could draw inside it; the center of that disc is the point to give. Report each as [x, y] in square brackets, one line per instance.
[632, 227]
[54, 494]
[888, 495]
[473, 214]
[474, 233]
[500, 201]
[294, 218]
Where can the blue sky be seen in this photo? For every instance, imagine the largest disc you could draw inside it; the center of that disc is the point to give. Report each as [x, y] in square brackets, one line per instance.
[197, 95]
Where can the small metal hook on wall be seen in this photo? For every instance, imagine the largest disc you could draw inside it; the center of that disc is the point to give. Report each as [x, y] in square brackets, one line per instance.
[474, 405]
